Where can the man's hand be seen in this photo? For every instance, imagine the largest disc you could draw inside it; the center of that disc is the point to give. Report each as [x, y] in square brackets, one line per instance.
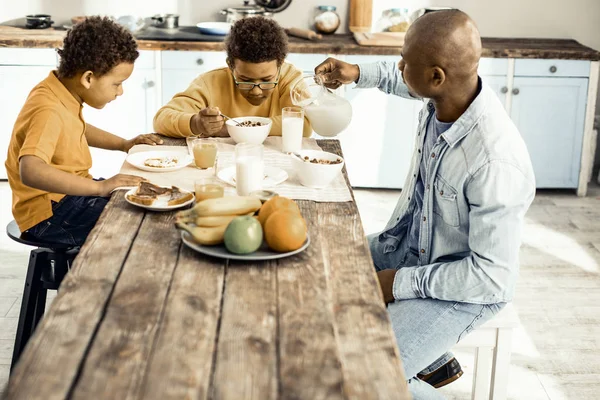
[149, 138]
[336, 73]
[386, 281]
[208, 122]
[120, 180]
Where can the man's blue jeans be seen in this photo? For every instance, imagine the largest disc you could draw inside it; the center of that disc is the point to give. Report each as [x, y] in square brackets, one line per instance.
[426, 329]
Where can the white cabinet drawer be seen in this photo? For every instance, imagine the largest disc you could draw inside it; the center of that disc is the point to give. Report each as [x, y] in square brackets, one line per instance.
[18, 56]
[145, 60]
[202, 60]
[306, 62]
[562, 68]
[493, 67]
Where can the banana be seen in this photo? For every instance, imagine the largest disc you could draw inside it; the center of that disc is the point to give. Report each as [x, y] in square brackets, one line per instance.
[215, 220]
[208, 236]
[227, 206]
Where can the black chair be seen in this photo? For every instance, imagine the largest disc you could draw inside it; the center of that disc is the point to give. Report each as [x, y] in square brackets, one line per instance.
[48, 265]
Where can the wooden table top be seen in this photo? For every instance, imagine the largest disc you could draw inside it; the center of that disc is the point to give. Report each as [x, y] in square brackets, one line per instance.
[334, 44]
[142, 316]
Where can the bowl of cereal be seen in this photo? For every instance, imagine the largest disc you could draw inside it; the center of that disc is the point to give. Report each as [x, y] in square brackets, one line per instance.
[316, 169]
[249, 129]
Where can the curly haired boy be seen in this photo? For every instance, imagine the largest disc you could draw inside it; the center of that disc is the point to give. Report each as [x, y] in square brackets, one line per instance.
[55, 199]
[256, 82]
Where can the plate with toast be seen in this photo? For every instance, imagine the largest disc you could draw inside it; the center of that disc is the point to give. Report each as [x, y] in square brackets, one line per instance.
[160, 161]
[158, 198]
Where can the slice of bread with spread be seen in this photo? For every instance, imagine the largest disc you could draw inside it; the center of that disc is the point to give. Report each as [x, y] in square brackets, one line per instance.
[147, 193]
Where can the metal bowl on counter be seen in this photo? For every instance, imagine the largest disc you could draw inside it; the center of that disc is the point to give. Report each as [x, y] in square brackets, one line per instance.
[262, 8]
[166, 21]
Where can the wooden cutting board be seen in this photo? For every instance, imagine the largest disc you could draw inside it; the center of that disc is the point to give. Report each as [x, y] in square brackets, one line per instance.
[387, 39]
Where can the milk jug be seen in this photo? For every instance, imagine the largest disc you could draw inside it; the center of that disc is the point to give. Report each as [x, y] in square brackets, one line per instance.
[328, 113]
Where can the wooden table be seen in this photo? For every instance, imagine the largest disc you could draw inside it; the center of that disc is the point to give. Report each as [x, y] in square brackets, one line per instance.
[141, 316]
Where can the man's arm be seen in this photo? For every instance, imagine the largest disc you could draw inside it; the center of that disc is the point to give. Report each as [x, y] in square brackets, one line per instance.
[382, 75]
[385, 76]
[499, 195]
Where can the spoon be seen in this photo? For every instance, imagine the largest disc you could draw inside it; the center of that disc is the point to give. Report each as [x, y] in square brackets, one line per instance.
[236, 123]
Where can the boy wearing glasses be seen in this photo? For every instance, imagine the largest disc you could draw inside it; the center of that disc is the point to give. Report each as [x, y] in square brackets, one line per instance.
[256, 82]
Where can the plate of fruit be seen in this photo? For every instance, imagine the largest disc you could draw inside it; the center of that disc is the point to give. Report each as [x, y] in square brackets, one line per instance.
[243, 228]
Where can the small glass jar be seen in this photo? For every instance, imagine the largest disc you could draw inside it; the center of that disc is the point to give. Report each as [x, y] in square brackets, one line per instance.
[326, 19]
[393, 20]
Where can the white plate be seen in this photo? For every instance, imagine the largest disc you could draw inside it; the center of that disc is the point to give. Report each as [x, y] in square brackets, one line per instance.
[214, 28]
[273, 176]
[160, 204]
[137, 160]
[219, 251]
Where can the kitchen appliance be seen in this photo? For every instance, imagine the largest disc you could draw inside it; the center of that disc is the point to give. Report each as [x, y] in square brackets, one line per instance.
[167, 21]
[261, 8]
[38, 21]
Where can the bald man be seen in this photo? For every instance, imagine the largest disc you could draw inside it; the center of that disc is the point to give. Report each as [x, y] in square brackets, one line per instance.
[447, 261]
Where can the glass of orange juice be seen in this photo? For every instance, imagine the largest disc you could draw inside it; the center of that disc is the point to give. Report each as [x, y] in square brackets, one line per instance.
[205, 153]
[207, 188]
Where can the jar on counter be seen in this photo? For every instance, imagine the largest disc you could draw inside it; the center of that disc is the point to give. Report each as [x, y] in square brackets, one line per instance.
[326, 19]
[393, 20]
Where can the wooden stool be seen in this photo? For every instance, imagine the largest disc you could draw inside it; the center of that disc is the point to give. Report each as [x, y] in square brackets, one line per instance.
[48, 265]
[492, 341]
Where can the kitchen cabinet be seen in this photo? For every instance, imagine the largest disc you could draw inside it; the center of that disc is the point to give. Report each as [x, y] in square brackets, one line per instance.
[127, 116]
[180, 68]
[550, 113]
[20, 71]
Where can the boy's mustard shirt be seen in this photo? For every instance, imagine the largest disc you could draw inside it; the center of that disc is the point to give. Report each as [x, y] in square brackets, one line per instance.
[217, 89]
[51, 127]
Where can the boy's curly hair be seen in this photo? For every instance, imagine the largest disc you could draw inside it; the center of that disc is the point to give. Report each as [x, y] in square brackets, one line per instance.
[256, 40]
[96, 44]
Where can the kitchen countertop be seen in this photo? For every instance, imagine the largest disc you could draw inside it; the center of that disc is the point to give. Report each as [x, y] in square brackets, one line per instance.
[335, 44]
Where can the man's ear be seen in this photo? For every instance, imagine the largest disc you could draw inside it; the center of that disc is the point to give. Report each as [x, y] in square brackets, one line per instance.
[86, 79]
[438, 76]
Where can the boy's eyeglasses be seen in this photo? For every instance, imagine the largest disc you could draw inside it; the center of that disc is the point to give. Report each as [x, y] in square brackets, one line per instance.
[247, 86]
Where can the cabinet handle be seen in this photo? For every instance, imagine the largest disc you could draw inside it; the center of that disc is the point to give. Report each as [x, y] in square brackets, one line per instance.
[515, 91]
[149, 84]
[199, 61]
[553, 69]
[504, 90]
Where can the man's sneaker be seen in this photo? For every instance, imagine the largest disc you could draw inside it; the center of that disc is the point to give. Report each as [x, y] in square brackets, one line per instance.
[444, 375]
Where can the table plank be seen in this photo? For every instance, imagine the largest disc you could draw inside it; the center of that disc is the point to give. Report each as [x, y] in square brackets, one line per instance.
[66, 331]
[246, 360]
[115, 365]
[364, 331]
[310, 365]
[182, 359]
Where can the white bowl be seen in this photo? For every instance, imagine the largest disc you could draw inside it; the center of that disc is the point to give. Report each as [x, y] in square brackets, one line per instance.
[249, 134]
[316, 175]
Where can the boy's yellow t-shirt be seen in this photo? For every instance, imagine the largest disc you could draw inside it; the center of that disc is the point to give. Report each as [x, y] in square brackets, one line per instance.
[217, 89]
[51, 127]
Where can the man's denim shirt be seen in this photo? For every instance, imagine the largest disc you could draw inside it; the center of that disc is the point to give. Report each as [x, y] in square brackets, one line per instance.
[479, 188]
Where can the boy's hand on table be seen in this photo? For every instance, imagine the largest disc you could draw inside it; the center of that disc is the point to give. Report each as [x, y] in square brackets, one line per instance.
[148, 138]
[208, 122]
[386, 281]
[120, 180]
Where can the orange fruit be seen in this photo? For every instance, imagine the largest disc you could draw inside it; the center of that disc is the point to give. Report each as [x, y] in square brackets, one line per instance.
[275, 204]
[285, 230]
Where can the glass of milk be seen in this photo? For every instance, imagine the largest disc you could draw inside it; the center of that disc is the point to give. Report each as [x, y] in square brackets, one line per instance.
[249, 168]
[292, 126]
